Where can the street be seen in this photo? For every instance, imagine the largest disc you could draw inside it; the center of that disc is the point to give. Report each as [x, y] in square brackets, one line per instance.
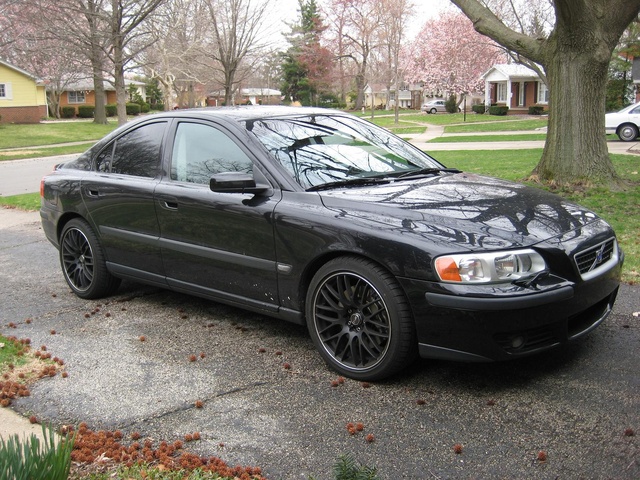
[129, 368]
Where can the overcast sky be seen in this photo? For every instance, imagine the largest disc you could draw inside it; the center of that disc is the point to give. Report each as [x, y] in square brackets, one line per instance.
[288, 10]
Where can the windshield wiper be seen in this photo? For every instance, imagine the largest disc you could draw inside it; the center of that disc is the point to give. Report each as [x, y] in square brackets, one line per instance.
[426, 171]
[348, 182]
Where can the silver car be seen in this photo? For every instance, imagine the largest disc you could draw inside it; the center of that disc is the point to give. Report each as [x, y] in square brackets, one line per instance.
[434, 106]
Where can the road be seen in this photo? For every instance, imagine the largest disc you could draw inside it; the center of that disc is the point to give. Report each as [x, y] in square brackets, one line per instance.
[574, 404]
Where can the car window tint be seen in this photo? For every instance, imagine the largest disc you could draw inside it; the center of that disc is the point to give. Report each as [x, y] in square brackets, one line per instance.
[103, 160]
[138, 152]
[201, 151]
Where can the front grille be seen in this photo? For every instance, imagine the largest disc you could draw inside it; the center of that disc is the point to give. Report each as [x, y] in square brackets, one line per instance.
[594, 258]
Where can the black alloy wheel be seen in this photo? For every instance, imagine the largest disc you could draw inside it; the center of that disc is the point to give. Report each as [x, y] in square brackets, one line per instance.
[83, 262]
[359, 319]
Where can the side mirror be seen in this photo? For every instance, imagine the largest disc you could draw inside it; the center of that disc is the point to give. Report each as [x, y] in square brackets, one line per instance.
[232, 182]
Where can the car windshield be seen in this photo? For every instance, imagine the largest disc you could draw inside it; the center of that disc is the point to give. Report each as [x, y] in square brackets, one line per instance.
[332, 150]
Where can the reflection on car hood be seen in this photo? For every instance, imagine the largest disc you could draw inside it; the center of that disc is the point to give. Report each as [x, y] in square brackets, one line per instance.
[469, 210]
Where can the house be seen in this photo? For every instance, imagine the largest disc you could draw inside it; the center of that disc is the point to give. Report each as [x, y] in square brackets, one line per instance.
[409, 96]
[515, 86]
[253, 96]
[81, 92]
[22, 96]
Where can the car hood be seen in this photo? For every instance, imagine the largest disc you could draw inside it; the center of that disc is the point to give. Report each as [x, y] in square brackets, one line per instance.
[471, 211]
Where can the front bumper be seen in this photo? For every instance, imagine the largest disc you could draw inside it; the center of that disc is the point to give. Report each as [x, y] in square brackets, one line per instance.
[490, 323]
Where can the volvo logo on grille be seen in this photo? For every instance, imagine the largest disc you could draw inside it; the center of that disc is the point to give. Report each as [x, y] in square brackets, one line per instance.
[599, 257]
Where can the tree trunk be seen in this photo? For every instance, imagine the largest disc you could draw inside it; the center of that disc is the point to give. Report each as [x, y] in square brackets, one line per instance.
[576, 147]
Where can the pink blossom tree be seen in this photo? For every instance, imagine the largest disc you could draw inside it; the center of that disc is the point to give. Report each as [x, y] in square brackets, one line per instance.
[449, 56]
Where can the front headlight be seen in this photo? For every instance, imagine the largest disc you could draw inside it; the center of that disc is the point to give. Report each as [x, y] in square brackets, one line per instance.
[492, 267]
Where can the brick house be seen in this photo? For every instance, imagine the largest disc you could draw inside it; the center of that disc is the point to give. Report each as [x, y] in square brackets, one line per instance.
[22, 96]
[515, 86]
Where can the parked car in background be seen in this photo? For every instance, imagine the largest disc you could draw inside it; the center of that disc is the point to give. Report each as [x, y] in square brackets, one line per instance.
[434, 106]
[320, 218]
[625, 123]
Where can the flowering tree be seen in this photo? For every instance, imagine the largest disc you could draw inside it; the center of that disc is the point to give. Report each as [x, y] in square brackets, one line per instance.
[449, 56]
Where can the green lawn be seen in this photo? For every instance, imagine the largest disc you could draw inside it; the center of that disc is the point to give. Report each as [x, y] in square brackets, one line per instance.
[17, 136]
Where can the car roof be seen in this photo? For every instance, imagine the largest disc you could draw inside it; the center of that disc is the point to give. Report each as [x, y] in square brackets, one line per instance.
[249, 112]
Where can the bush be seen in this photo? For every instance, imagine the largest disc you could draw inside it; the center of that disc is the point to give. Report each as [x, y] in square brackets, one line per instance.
[86, 111]
[111, 109]
[27, 458]
[480, 108]
[68, 112]
[536, 110]
[157, 106]
[451, 105]
[133, 109]
[500, 110]
[145, 108]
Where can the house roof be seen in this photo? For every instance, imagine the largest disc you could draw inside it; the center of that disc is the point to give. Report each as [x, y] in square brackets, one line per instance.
[87, 84]
[510, 70]
[251, 92]
[23, 72]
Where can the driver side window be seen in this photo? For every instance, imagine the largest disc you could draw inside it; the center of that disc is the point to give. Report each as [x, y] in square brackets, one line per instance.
[201, 151]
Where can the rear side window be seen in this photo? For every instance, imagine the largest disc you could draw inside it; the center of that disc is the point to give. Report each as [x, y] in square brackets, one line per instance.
[135, 153]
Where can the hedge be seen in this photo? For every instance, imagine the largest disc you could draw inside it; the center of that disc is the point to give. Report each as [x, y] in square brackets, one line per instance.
[536, 110]
[111, 109]
[133, 109]
[86, 111]
[480, 108]
[500, 110]
[68, 112]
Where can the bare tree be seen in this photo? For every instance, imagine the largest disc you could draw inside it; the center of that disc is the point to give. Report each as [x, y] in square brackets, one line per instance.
[394, 15]
[237, 26]
[575, 55]
[125, 20]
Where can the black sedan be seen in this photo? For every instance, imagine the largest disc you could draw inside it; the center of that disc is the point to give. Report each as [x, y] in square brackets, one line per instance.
[323, 219]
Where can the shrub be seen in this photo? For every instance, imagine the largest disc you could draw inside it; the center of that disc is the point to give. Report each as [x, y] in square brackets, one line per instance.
[68, 112]
[480, 108]
[111, 109]
[500, 110]
[157, 106]
[86, 111]
[536, 110]
[451, 104]
[27, 458]
[133, 109]
[145, 108]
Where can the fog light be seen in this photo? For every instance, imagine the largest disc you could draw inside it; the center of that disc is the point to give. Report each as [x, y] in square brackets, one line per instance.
[517, 342]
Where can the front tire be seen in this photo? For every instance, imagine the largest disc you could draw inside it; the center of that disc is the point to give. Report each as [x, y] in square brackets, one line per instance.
[360, 320]
[628, 132]
[83, 263]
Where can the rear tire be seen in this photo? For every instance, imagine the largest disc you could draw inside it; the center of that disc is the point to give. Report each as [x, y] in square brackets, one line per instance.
[360, 320]
[83, 263]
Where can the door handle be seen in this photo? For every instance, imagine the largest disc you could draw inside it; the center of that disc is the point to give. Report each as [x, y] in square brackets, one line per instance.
[171, 205]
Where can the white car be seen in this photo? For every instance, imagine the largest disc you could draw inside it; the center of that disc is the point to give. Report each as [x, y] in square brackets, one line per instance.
[625, 123]
[434, 106]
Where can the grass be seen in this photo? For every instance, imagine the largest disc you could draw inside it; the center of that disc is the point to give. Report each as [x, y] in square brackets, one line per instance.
[43, 152]
[491, 125]
[18, 136]
[26, 201]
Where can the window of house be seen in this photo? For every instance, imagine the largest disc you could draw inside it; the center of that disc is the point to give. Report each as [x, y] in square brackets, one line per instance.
[501, 92]
[76, 97]
[521, 94]
[201, 151]
[5, 91]
[543, 93]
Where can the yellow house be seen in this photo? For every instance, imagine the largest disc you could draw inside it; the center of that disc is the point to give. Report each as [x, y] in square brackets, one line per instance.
[23, 98]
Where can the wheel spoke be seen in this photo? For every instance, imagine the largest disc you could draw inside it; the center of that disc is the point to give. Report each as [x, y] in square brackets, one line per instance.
[77, 259]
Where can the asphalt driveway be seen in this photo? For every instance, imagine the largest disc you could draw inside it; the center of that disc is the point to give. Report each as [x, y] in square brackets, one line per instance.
[575, 404]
